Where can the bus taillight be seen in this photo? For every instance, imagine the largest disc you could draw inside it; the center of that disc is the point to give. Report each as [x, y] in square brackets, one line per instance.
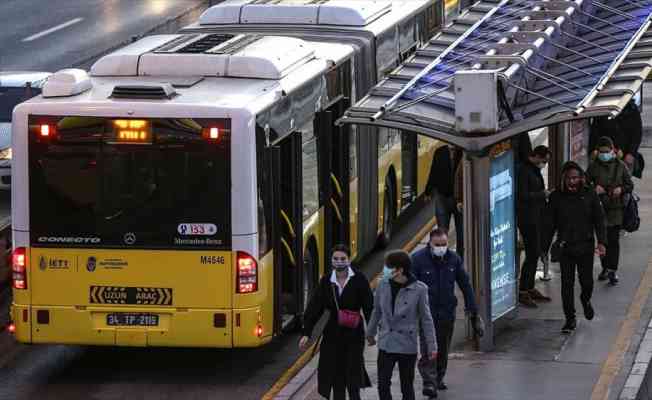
[247, 274]
[19, 267]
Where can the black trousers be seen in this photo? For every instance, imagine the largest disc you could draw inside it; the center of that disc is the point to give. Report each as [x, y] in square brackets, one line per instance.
[406, 364]
[341, 383]
[532, 240]
[584, 266]
[433, 372]
[610, 260]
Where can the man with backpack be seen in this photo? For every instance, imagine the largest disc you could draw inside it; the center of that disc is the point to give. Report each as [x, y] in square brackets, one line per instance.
[611, 180]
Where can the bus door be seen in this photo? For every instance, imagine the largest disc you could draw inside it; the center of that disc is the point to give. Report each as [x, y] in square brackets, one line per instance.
[334, 176]
[409, 156]
[286, 169]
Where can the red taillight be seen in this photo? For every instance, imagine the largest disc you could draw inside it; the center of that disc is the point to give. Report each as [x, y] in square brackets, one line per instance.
[45, 130]
[212, 133]
[12, 328]
[247, 274]
[19, 268]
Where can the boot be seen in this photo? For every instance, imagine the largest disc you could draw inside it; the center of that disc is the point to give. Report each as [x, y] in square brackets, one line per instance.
[589, 313]
[525, 298]
[569, 326]
[613, 278]
[537, 295]
[602, 276]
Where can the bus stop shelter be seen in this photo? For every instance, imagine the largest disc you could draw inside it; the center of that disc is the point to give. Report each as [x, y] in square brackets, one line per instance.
[498, 70]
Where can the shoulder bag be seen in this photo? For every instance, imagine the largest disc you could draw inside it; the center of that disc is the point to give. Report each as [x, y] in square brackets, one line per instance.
[346, 318]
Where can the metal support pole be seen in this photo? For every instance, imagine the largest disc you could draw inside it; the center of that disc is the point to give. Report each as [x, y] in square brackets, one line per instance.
[476, 239]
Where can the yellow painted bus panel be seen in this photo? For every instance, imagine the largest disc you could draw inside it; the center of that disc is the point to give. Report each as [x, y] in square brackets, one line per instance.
[75, 277]
[23, 332]
[246, 334]
[189, 328]
[427, 147]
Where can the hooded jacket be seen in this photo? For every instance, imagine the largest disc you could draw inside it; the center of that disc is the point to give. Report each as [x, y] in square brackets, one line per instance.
[576, 217]
[609, 175]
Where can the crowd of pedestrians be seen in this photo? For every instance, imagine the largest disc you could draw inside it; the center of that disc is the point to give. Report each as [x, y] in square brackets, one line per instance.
[413, 309]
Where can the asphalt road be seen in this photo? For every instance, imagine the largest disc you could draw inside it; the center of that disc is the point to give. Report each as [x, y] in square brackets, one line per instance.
[54, 34]
[85, 372]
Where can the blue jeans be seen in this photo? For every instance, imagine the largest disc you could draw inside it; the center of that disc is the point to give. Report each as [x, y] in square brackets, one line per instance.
[445, 207]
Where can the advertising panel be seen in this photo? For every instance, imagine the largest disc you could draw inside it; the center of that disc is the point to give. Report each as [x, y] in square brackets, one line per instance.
[502, 230]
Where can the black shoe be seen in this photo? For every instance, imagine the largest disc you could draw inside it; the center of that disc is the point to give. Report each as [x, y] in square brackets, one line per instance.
[613, 278]
[525, 298]
[442, 386]
[430, 391]
[602, 276]
[589, 313]
[569, 326]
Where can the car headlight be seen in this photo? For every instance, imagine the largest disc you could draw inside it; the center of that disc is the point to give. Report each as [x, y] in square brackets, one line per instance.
[5, 154]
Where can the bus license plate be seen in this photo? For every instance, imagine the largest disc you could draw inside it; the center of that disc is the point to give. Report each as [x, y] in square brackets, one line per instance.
[131, 319]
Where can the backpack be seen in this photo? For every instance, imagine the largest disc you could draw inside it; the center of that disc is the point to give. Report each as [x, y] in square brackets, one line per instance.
[631, 219]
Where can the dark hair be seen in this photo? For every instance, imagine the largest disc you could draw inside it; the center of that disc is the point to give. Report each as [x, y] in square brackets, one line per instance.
[540, 151]
[439, 232]
[341, 247]
[398, 259]
[605, 141]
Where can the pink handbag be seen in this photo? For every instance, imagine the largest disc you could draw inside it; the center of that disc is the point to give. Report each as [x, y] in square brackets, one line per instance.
[346, 318]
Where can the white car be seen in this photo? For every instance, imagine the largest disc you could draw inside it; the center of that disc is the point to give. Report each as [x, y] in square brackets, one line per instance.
[15, 87]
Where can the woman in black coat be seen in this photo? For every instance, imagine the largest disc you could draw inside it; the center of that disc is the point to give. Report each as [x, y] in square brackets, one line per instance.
[341, 363]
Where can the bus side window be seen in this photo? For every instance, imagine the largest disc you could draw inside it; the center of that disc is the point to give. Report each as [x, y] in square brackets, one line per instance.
[407, 39]
[386, 52]
[434, 19]
[264, 196]
[353, 155]
[310, 170]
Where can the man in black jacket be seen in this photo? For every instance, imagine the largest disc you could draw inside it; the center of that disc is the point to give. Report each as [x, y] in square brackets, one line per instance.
[531, 201]
[577, 217]
[441, 184]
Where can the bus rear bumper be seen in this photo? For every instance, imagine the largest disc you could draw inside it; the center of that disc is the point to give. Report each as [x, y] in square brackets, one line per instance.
[175, 327]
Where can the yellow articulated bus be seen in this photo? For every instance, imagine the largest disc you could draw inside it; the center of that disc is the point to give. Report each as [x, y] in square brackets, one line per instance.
[186, 190]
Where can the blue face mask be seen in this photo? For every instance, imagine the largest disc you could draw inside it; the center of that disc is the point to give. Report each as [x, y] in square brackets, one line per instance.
[388, 273]
[606, 156]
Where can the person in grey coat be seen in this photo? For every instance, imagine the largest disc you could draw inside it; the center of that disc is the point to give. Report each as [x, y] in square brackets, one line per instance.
[400, 306]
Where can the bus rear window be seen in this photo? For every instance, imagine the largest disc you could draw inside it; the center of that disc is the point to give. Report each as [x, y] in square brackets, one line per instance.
[109, 182]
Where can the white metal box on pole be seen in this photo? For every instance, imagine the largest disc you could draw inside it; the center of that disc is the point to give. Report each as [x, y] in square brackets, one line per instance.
[476, 101]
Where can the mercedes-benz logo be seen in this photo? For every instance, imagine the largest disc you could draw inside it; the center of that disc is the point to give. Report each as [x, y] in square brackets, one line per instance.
[130, 238]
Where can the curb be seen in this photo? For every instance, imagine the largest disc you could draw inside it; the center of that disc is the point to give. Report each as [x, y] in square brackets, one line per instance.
[170, 25]
[639, 381]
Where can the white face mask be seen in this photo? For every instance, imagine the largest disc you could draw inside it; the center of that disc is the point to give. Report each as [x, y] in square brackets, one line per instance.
[439, 251]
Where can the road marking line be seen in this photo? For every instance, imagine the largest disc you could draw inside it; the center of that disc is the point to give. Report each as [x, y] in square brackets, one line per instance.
[305, 357]
[52, 30]
[614, 362]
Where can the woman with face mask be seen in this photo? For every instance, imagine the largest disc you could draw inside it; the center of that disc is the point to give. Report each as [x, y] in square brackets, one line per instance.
[340, 297]
[577, 217]
[611, 180]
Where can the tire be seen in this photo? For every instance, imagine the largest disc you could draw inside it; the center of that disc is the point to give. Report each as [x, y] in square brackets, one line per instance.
[388, 217]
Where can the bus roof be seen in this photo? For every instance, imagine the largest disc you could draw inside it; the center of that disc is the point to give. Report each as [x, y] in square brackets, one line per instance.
[374, 16]
[227, 92]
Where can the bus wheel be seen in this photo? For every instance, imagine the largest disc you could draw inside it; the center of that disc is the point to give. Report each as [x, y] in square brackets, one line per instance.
[388, 216]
